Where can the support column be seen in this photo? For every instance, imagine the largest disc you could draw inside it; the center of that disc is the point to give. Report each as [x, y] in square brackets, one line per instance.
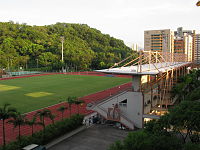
[136, 83]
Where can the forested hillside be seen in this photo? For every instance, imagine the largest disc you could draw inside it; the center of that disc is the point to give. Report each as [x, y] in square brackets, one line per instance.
[27, 46]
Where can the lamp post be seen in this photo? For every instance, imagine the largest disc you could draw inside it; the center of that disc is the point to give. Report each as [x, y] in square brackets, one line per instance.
[62, 41]
[37, 63]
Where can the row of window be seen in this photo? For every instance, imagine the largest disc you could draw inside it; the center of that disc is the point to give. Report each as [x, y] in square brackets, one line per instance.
[156, 49]
[156, 43]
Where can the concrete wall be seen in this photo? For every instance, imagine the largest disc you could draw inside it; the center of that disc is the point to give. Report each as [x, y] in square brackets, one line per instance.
[133, 110]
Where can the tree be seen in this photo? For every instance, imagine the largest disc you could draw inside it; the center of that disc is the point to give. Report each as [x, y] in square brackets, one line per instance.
[116, 146]
[5, 112]
[62, 110]
[18, 120]
[84, 47]
[191, 146]
[47, 58]
[142, 140]
[185, 116]
[31, 123]
[70, 101]
[78, 103]
[194, 95]
[186, 85]
[45, 113]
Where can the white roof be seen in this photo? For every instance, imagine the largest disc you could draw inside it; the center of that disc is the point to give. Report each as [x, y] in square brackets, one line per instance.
[146, 69]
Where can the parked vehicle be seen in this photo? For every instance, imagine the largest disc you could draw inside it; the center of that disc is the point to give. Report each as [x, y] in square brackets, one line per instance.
[34, 147]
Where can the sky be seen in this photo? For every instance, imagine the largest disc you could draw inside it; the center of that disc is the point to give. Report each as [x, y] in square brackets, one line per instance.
[122, 19]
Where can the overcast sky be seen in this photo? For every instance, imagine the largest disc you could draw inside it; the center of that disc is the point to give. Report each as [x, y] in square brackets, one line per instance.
[123, 19]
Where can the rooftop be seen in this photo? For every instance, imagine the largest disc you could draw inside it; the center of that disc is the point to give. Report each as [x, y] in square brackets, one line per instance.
[145, 69]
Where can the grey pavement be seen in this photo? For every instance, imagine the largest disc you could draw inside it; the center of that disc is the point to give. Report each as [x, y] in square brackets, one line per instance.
[97, 137]
[65, 136]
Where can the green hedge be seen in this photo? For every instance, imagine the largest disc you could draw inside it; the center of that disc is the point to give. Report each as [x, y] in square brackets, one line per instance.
[51, 132]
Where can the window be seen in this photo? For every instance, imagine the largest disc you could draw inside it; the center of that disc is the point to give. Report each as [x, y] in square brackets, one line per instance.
[123, 103]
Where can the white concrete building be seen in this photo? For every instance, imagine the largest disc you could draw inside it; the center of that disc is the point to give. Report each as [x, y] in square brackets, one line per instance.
[188, 40]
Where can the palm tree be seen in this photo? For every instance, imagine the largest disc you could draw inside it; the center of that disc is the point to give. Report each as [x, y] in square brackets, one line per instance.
[62, 110]
[18, 120]
[52, 117]
[31, 123]
[5, 113]
[78, 103]
[70, 101]
[45, 113]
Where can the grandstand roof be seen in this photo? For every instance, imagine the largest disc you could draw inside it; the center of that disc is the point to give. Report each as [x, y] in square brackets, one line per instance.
[146, 69]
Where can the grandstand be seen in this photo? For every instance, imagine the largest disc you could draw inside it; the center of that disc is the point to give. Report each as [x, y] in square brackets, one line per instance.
[153, 76]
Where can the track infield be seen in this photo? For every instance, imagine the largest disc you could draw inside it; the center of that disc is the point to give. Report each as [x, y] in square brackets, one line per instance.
[28, 94]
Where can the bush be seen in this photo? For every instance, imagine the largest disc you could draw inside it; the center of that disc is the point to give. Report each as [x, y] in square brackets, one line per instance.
[191, 146]
[142, 140]
[51, 132]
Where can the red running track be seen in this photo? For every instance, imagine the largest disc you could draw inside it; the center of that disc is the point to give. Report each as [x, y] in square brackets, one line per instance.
[12, 133]
[90, 73]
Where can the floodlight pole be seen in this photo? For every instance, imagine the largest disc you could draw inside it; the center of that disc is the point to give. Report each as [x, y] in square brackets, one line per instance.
[62, 40]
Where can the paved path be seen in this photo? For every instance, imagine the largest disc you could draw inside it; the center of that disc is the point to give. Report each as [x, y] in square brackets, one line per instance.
[97, 137]
[11, 133]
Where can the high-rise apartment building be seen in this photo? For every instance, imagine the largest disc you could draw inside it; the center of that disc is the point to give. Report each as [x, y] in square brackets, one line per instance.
[159, 40]
[180, 41]
[183, 42]
[197, 49]
[188, 40]
[135, 47]
[179, 45]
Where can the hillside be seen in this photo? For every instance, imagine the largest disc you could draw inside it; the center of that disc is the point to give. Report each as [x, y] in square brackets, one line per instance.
[28, 46]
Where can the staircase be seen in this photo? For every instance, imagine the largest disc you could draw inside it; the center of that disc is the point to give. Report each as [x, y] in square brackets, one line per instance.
[123, 119]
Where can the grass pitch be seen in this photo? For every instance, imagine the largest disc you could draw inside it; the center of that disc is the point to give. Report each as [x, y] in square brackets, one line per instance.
[28, 94]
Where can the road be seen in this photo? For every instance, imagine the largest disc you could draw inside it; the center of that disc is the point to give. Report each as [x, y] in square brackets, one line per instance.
[98, 137]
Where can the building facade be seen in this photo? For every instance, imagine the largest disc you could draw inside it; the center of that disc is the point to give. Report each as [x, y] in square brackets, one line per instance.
[197, 49]
[159, 40]
[188, 40]
[179, 45]
[180, 41]
[184, 42]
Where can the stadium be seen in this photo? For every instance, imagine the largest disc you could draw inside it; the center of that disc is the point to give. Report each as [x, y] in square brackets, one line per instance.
[29, 93]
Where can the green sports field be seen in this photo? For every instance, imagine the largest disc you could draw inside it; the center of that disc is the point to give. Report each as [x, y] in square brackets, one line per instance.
[28, 94]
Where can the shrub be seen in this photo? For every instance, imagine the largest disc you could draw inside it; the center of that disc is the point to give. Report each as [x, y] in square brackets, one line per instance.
[52, 131]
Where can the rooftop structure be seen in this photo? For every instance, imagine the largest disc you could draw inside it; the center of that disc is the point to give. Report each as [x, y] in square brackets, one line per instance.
[149, 63]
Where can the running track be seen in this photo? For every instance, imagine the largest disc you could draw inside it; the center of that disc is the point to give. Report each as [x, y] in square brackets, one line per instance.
[11, 133]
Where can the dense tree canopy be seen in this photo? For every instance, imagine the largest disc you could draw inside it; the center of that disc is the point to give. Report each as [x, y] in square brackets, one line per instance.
[22, 45]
